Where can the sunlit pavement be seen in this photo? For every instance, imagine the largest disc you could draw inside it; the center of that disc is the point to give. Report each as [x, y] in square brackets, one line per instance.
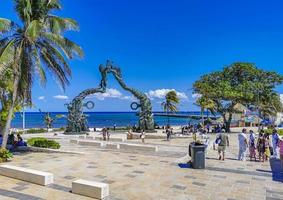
[148, 175]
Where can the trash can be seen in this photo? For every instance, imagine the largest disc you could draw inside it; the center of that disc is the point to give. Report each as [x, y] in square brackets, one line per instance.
[197, 153]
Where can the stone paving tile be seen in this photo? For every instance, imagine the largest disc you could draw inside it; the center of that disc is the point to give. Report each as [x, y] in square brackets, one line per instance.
[69, 177]
[219, 176]
[20, 188]
[127, 165]
[130, 175]
[243, 182]
[59, 187]
[199, 184]
[91, 167]
[23, 183]
[133, 159]
[144, 164]
[138, 172]
[190, 177]
[17, 195]
[115, 162]
[258, 179]
[179, 187]
[100, 176]
[164, 161]
[108, 181]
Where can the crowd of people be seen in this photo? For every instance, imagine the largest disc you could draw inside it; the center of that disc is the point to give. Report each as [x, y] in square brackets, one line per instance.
[208, 128]
[262, 146]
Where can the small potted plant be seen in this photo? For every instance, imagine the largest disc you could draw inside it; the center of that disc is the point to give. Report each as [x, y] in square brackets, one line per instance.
[5, 155]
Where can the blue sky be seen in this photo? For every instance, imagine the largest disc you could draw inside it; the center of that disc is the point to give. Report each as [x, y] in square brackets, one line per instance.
[162, 44]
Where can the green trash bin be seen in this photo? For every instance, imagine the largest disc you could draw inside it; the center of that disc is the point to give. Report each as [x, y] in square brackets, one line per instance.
[197, 153]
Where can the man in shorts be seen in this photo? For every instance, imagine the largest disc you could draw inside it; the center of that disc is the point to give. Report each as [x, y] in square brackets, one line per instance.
[223, 142]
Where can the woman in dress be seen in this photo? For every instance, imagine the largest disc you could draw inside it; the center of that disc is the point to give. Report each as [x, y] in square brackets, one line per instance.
[260, 146]
[252, 145]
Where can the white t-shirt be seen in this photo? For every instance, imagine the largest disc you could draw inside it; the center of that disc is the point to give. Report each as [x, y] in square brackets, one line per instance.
[242, 139]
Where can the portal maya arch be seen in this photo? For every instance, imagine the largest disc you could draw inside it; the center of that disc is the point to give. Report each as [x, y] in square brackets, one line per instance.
[77, 121]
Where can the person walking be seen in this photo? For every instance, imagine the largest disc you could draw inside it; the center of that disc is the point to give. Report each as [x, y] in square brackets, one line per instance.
[108, 134]
[266, 147]
[260, 146]
[104, 133]
[223, 142]
[252, 145]
[281, 152]
[243, 144]
[275, 144]
[168, 132]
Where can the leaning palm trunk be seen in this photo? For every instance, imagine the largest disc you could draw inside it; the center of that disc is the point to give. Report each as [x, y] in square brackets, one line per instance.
[11, 112]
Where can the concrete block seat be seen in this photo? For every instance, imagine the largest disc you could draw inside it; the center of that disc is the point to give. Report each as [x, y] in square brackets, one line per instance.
[90, 143]
[29, 175]
[141, 147]
[92, 189]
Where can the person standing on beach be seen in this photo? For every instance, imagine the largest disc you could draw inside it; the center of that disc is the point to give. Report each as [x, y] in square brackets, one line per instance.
[275, 144]
[114, 127]
[223, 142]
[243, 144]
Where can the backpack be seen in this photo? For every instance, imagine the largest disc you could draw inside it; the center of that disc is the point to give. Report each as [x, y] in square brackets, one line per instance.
[218, 140]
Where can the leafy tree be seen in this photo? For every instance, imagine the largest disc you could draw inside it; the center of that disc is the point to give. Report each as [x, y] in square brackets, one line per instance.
[205, 103]
[170, 103]
[240, 83]
[34, 46]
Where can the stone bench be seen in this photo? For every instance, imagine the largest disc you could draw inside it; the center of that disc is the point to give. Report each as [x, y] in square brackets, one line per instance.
[90, 143]
[92, 189]
[29, 175]
[139, 147]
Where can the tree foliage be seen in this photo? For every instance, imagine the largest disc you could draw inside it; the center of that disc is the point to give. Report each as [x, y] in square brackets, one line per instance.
[241, 83]
[36, 45]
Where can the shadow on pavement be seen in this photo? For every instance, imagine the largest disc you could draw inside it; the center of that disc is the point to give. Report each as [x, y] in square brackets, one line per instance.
[17, 195]
[276, 169]
[184, 165]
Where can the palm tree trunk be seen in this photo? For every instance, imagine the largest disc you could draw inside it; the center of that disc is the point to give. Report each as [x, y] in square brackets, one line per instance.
[202, 117]
[11, 112]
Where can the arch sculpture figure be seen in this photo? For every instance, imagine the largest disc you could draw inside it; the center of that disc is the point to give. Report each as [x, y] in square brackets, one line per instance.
[77, 121]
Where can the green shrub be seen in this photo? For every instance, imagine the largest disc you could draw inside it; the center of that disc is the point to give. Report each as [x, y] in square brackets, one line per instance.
[43, 143]
[5, 155]
[269, 131]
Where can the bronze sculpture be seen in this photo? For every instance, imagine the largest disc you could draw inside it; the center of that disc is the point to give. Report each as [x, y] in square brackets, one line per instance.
[77, 122]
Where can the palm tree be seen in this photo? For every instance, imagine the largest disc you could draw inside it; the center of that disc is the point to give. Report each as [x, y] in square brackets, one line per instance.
[204, 103]
[170, 103]
[34, 46]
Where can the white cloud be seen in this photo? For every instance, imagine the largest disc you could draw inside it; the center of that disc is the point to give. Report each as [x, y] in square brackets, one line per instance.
[61, 97]
[161, 93]
[196, 96]
[111, 93]
[41, 98]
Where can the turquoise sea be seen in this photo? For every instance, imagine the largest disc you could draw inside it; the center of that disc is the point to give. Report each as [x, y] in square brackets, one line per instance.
[95, 119]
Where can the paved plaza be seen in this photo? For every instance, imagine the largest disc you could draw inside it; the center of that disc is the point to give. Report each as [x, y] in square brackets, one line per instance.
[134, 175]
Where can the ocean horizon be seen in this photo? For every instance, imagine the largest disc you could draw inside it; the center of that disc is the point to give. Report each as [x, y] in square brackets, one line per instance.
[97, 119]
